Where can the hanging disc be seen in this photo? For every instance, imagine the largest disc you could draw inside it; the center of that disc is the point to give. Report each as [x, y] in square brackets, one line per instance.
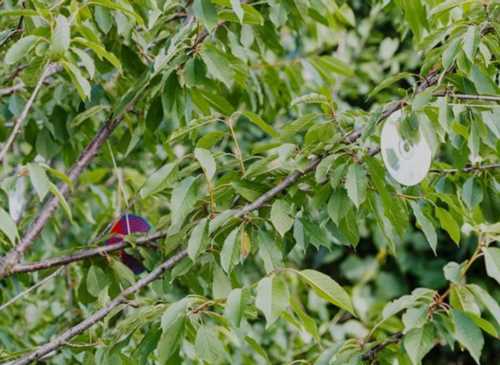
[408, 162]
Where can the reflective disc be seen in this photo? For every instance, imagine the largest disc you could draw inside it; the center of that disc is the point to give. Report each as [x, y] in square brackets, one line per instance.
[407, 163]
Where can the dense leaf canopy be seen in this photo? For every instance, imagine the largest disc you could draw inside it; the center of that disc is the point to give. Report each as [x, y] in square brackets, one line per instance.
[248, 133]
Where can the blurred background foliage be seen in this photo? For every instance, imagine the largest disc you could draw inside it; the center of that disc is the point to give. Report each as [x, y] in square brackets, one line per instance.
[221, 100]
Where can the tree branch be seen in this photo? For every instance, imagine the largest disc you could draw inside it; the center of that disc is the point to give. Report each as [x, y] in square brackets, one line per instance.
[283, 185]
[12, 89]
[20, 120]
[13, 257]
[85, 254]
[48, 209]
[62, 339]
[372, 353]
[21, 85]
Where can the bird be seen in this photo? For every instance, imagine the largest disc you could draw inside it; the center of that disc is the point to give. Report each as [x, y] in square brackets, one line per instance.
[129, 223]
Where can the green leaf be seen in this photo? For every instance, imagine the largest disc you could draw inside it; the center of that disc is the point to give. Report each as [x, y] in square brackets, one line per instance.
[388, 82]
[100, 51]
[172, 324]
[206, 161]
[471, 42]
[127, 10]
[418, 342]
[415, 15]
[356, 184]
[61, 37]
[406, 301]
[210, 139]
[80, 82]
[450, 53]
[184, 196]
[421, 100]
[280, 216]
[328, 289]
[488, 301]
[250, 14]
[206, 12]
[20, 49]
[485, 325]
[426, 225]
[18, 12]
[345, 14]
[39, 180]
[259, 122]
[208, 346]
[491, 121]
[198, 239]
[87, 61]
[89, 113]
[311, 98]
[328, 66]
[472, 194]
[461, 298]
[323, 169]
[308, 322]
[96, 280]
[257, 348]
[482, 82]
[452, 272]
[338, 205]
[54, 190]
[229, 255]
[238, 10]
[235, 307]
[8, 226]
[272, 298]
[221, 286]
[146, 346]
[348, 229]
[122, 271]
[218, 65]
[449, 224]
[415, 317]
[156, 181]
[492, 261]
[468, 334]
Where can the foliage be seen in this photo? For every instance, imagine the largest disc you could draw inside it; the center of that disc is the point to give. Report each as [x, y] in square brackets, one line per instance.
[247, 133]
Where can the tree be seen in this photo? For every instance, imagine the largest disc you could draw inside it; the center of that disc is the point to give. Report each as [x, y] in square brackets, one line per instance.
[249, 135]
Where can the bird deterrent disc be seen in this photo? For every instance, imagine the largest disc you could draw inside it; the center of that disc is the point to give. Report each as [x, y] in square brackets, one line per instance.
[408, 163]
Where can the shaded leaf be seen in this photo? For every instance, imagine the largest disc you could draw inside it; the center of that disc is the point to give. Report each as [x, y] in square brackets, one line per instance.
[328, 289]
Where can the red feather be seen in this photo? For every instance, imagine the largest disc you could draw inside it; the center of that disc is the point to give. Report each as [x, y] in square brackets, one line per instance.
[129, 223]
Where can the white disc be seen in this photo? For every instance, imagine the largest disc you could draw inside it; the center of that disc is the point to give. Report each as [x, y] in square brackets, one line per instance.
[407, 163]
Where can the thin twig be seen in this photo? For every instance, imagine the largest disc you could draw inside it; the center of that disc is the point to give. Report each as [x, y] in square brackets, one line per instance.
[30, 289]
[20, 120]
[63, 338]
[12, 89]
[468, 169]
[236, 145]
[469, 96]
[54, 68]
[372, 353]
